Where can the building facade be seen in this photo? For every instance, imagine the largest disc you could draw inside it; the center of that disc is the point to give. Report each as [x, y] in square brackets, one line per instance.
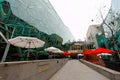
[91, 34]
[41, 14]
[12, 26]
[79, 46]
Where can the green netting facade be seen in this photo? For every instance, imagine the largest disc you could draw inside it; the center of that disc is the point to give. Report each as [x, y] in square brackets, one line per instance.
[11, 26]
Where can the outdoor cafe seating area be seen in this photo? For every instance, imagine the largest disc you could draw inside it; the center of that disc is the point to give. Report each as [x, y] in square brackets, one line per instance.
[99, 53]
[103, 57]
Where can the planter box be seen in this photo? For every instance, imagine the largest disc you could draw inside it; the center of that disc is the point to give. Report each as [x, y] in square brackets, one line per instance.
[113, 65]
[109, 73]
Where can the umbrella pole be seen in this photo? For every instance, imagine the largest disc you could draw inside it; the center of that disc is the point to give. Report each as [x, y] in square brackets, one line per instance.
[28, 51]
[28, 55]
[36, 56]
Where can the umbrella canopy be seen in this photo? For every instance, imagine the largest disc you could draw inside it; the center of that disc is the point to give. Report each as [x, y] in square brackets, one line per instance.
[57, 51]
[104, 54]
[26, 42]
[88, 51]
[103, 50]
[52, 49]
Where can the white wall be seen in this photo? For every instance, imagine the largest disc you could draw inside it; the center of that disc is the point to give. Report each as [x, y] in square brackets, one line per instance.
[91, 33]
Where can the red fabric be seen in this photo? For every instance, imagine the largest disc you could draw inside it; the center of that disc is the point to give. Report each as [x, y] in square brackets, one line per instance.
[66, 53]
[102, 50]
[16, 54]
[88, 51]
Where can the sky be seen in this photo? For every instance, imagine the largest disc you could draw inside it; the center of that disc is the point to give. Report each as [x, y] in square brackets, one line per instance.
[77, 14]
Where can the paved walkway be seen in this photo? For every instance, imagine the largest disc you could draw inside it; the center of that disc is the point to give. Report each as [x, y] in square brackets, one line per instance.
[75, 70]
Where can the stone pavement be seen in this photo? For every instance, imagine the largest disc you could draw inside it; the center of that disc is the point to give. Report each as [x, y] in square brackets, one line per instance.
[75, 70]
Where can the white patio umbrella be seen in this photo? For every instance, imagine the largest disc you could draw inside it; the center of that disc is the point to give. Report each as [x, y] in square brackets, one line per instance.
[26, 42]
[53, 50]
[104, 54]
[58, 51]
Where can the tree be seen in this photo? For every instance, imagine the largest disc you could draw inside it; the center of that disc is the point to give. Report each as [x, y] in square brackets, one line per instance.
[112, 26]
